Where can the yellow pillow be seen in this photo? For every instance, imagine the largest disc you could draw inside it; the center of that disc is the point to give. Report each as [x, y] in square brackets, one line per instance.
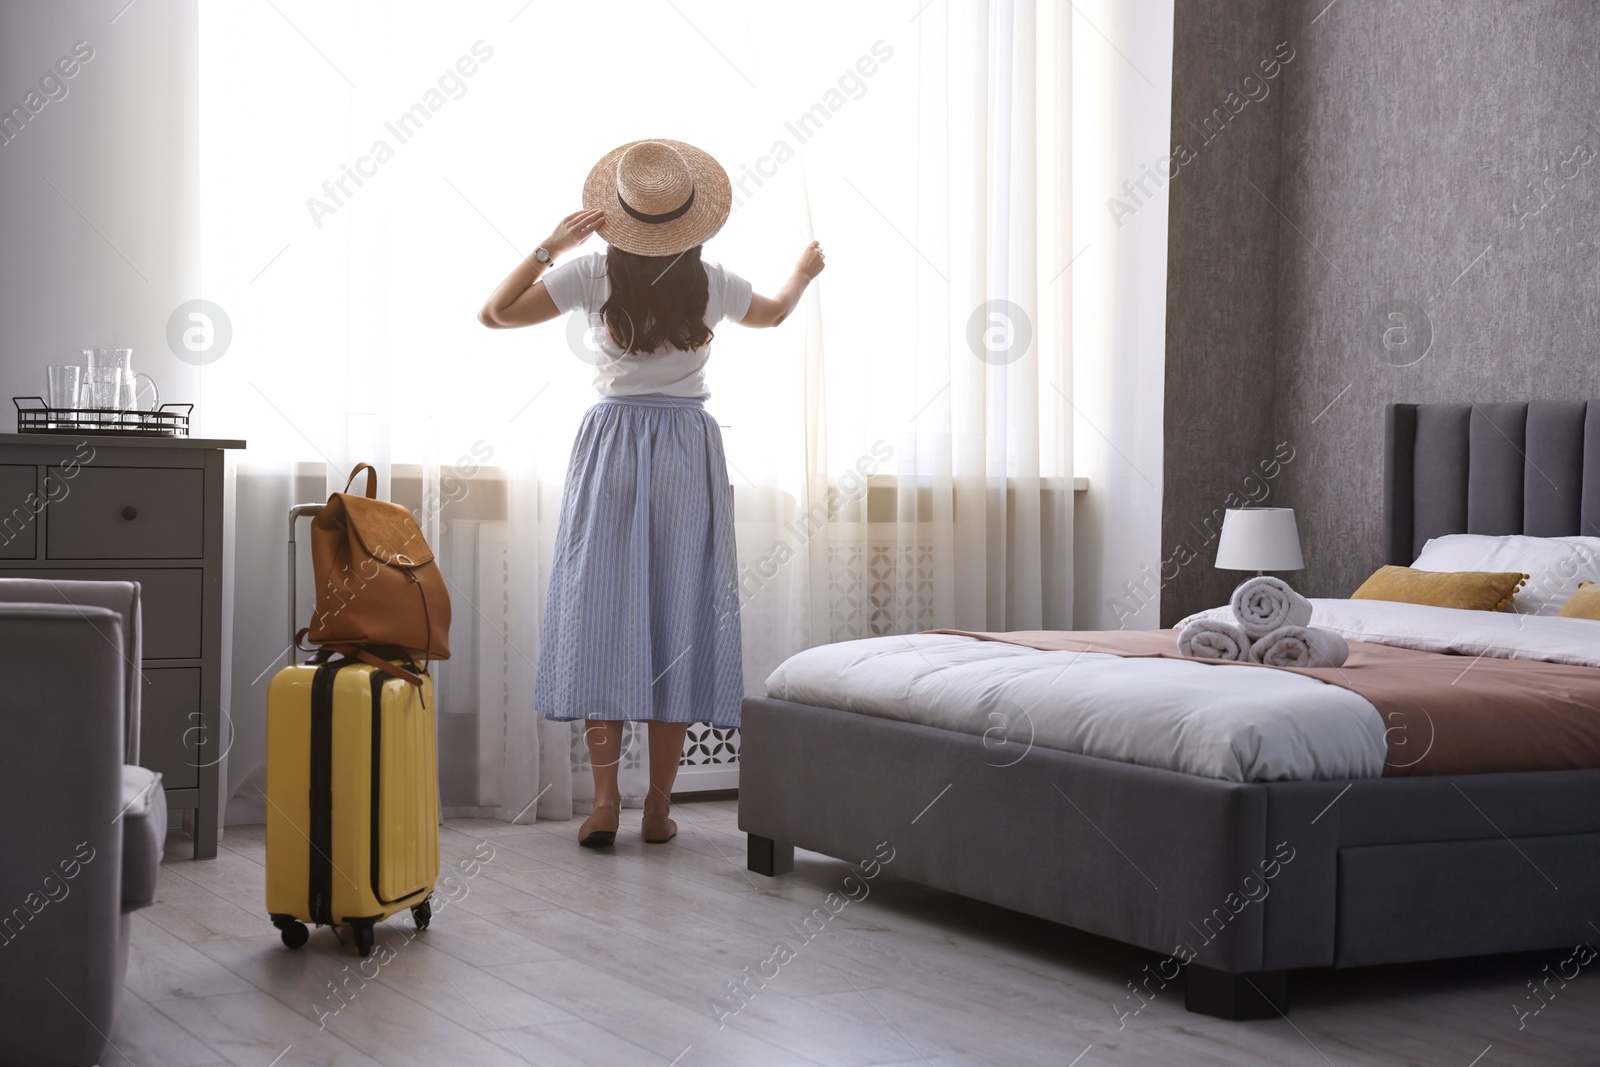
[1474, 590]
[1583, 604]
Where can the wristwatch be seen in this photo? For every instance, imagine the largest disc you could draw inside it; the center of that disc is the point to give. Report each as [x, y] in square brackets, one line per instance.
[543, 255]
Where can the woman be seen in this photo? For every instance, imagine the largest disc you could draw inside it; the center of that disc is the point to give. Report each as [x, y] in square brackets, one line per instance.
[642, 621]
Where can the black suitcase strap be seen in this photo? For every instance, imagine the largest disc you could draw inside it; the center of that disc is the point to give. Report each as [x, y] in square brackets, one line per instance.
[321, 836]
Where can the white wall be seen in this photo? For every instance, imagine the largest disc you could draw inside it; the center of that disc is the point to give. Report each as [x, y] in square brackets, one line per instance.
[122, 147]
[1119, 298]
[99, 234]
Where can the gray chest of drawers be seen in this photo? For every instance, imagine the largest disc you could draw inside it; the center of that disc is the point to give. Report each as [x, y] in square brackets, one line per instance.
[147, 510]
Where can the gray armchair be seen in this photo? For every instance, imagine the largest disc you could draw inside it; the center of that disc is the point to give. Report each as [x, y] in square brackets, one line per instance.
[81, 842]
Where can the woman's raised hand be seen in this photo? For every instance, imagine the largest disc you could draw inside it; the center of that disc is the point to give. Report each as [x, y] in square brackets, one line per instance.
[573, 230]
[811, 260]
[771, 310]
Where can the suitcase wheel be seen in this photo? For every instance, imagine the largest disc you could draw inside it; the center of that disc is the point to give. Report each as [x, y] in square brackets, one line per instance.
[364, 938]
[292, 930]
[422, 914]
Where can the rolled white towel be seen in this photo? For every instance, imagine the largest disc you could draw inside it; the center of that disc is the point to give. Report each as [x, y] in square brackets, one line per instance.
[1263, 604]
[1214, 639]
[1300, 646]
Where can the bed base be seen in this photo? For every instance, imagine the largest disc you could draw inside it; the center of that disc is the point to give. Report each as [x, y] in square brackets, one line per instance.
[1238, 883]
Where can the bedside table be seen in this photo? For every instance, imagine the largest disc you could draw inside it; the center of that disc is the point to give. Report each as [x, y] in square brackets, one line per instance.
[146, 510]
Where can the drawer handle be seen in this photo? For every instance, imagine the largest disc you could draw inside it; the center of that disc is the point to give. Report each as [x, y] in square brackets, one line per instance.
[130, 513]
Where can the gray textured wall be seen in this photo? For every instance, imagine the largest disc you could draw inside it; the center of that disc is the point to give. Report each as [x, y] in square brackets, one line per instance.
[1440, 162]
[1221, 285]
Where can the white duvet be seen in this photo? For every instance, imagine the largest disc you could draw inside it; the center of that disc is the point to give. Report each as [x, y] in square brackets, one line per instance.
[1242, 724]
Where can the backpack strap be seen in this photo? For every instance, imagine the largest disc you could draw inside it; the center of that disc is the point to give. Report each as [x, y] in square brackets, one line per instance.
[372, 479]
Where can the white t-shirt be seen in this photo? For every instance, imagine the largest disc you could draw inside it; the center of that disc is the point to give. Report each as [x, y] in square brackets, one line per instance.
[581, 285]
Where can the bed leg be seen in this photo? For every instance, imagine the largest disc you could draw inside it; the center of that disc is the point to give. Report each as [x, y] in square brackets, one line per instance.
[766, 856]
[1262, 995]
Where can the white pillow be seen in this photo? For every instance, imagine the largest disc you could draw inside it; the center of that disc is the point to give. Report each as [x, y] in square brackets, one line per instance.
[1554, 565]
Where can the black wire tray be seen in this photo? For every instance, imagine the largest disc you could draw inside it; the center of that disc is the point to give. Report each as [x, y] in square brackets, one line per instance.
[170, 420]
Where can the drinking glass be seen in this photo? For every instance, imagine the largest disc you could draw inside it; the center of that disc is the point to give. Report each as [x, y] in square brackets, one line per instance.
[85, 405]
[65, 383]
[105, 388]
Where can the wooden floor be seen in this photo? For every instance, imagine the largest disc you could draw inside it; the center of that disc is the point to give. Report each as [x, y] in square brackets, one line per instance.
[556, 955]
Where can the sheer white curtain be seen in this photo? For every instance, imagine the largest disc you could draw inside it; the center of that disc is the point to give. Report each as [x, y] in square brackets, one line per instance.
[936, 436]
[900, 449]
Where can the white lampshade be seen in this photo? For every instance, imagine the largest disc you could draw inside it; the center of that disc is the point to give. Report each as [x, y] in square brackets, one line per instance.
[1259, 539]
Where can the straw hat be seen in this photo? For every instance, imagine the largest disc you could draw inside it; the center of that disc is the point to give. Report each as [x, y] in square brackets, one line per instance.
[660, 197]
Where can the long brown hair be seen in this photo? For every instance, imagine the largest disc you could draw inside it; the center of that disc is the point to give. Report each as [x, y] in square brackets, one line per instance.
[656, 301]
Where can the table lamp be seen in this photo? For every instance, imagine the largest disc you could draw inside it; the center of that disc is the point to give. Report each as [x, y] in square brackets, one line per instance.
[1260, 540]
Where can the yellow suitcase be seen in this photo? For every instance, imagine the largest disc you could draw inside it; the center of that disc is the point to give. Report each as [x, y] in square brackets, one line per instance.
[352, 792]
[352, 799]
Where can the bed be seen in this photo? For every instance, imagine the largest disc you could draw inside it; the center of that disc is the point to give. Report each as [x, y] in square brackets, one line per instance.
[1235, 879]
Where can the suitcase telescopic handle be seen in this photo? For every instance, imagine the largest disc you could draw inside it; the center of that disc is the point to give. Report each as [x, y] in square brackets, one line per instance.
[296, 513]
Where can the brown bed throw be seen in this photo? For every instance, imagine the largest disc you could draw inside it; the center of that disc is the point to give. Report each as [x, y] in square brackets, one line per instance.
[1445, 714]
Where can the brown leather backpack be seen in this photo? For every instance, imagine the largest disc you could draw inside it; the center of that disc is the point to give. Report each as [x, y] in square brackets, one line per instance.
[378, 587]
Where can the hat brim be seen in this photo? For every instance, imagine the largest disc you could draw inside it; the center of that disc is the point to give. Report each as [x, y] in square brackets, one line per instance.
[713, 201]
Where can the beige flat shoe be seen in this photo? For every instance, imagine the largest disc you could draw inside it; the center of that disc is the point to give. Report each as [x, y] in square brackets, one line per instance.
[600, 828]
[658, 828]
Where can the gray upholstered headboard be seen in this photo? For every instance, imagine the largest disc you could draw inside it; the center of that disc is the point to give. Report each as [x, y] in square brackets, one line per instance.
[1489, 468]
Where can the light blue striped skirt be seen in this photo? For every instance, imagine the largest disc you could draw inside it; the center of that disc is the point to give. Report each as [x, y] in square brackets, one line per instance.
[642, 620]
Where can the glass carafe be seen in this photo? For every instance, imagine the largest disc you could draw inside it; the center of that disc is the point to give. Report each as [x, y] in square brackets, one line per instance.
[112, 382]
